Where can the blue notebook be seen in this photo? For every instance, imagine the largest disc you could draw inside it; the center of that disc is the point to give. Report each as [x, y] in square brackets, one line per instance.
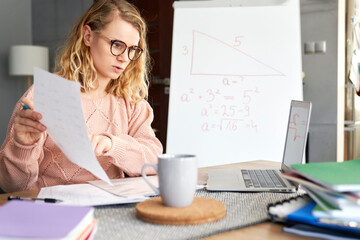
[304, 215]
[323, 233]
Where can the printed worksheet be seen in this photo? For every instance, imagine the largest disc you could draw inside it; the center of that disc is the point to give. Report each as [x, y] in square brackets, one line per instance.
[85, 195]
[58, 100]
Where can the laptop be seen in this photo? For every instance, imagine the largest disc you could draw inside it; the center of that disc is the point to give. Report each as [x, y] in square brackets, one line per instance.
[269, 180]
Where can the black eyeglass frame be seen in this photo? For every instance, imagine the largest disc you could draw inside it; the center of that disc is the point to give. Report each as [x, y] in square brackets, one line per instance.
[126, 48]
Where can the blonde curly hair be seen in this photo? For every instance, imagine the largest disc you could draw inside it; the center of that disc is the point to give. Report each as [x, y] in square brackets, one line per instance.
[75, 62]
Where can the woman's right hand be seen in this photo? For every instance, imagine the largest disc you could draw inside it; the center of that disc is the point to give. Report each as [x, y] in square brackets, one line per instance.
[27, 127]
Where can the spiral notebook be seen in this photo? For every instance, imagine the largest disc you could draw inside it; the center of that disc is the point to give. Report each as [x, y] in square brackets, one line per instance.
[297, 216]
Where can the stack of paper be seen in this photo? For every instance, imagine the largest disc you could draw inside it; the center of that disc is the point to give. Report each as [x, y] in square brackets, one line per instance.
[85, 195]
[334, 187]
[31, 220]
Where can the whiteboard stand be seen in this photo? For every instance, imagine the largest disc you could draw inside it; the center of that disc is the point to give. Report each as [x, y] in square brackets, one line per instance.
[236, 66]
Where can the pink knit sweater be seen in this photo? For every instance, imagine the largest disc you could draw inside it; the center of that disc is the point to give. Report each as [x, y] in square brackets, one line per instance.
[43, 164]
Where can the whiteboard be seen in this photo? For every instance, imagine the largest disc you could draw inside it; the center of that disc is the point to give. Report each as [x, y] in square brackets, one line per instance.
[234, 70]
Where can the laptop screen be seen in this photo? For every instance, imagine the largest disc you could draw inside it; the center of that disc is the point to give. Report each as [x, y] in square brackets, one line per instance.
[296, 136]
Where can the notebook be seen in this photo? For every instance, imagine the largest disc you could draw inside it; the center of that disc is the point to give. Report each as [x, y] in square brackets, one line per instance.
[32, 220]
[269, 180]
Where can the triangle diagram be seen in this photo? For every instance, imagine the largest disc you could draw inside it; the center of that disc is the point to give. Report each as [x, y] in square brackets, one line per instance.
[211, 56]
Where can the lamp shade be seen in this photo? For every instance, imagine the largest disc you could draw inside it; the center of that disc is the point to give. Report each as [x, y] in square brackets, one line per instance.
[23, 59]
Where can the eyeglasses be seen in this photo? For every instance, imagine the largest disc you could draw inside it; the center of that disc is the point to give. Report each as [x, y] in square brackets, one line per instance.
[119, 47]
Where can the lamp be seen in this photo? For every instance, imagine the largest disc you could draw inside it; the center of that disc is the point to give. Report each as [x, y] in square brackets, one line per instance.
[23, 59]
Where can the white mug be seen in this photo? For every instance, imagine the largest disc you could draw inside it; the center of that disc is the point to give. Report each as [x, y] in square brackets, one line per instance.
[177, 175]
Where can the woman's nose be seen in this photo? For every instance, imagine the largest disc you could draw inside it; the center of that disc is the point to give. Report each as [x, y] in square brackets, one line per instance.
[123, 57]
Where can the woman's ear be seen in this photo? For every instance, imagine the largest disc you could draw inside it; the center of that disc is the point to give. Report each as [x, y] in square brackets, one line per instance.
[87, 35]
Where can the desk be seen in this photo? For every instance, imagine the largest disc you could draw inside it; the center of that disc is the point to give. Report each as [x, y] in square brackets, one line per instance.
[265, 230]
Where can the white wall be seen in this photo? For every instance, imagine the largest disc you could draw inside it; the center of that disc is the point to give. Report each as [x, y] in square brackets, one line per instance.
[319, 22]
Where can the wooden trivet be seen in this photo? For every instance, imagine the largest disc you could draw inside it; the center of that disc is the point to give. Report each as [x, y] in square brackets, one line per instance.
[202, 210]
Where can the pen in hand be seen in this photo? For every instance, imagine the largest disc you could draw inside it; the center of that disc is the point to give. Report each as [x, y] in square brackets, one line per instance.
[47, 200]
[25, 106]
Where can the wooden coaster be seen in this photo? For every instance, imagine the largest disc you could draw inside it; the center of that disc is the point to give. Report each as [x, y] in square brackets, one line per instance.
[202, 210]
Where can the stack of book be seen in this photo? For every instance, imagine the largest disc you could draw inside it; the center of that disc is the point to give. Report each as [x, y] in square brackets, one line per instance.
[334, 188]
[32, 220]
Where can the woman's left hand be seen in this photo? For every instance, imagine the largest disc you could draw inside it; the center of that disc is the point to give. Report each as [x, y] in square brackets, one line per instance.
[100, 143]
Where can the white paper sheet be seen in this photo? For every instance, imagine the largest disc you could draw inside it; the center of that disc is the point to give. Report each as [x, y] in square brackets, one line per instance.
[128, 187]
[85, 195]
[131, 187]
[58, 100]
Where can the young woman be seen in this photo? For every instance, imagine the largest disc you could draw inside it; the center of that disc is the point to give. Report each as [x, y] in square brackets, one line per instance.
[107, 54]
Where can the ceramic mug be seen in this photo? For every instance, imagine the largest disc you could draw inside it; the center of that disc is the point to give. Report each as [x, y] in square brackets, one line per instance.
[177, 175]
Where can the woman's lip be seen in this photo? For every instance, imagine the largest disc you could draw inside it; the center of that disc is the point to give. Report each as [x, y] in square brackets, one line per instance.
[117, 69]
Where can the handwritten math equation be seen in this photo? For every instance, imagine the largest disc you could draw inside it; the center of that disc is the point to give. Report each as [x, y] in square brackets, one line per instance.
[221, 109]
[297, 127]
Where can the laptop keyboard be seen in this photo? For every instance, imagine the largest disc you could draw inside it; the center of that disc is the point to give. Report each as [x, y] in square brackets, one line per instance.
[262, 178]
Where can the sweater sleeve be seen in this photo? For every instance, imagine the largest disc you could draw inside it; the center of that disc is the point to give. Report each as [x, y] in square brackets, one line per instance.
[131, 151]
[19, 164]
